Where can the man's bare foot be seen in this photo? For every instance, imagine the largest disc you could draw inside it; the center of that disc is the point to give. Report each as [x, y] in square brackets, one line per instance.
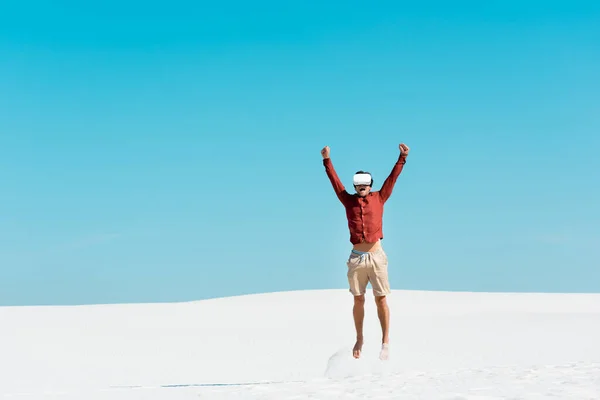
[385, 351]
[357, 348]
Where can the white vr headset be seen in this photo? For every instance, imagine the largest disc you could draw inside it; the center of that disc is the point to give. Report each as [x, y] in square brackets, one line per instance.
[362, 179]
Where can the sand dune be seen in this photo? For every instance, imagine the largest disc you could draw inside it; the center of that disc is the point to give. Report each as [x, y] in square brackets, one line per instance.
[295, 345]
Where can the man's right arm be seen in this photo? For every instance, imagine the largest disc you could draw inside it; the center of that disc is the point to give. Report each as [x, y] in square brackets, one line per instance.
[337, 184]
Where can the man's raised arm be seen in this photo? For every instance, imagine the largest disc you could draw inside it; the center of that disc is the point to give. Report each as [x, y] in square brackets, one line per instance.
[388, 184]
[337, 184]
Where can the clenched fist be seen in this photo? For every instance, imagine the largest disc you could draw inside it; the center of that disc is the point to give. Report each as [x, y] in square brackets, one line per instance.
[325, 152]
[404, 149]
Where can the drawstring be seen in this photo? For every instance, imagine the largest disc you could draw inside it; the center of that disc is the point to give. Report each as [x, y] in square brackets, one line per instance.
[362, 254]
[365, 254]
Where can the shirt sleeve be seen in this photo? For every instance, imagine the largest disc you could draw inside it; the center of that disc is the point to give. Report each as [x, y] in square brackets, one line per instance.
[390, 181]
[337, 184]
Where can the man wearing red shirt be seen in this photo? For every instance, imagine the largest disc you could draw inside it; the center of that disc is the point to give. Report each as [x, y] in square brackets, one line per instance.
[367, 261]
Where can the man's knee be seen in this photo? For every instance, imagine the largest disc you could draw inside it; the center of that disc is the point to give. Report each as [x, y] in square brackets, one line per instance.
[359, 300]
[380, 301]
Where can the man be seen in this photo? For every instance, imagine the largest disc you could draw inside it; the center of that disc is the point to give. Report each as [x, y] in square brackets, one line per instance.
[367, 261]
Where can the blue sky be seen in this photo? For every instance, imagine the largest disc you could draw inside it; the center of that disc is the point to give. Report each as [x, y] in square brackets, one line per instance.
[171, 151]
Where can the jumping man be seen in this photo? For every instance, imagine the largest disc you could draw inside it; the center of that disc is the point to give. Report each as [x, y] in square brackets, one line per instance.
[367, 261]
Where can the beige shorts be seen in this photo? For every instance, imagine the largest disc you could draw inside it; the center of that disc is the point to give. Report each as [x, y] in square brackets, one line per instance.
[365, 267]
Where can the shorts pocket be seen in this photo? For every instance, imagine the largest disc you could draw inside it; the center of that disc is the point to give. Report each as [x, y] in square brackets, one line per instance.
[353, 260]
[381, 260]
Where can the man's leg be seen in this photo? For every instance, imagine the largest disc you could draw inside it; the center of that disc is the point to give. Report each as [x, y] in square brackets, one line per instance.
[358, 312]
[357, 280]
[383, 312]
[381, 288]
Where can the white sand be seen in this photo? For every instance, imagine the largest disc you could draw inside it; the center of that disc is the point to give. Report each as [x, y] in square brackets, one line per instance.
[297, 345]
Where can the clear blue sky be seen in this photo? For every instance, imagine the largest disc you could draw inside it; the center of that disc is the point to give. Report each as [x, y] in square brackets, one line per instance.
[169, 151]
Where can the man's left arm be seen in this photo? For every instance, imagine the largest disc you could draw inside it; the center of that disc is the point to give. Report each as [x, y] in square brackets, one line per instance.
[388, 184]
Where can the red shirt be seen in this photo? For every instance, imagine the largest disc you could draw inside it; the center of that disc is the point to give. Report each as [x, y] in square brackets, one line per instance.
[364, 214]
